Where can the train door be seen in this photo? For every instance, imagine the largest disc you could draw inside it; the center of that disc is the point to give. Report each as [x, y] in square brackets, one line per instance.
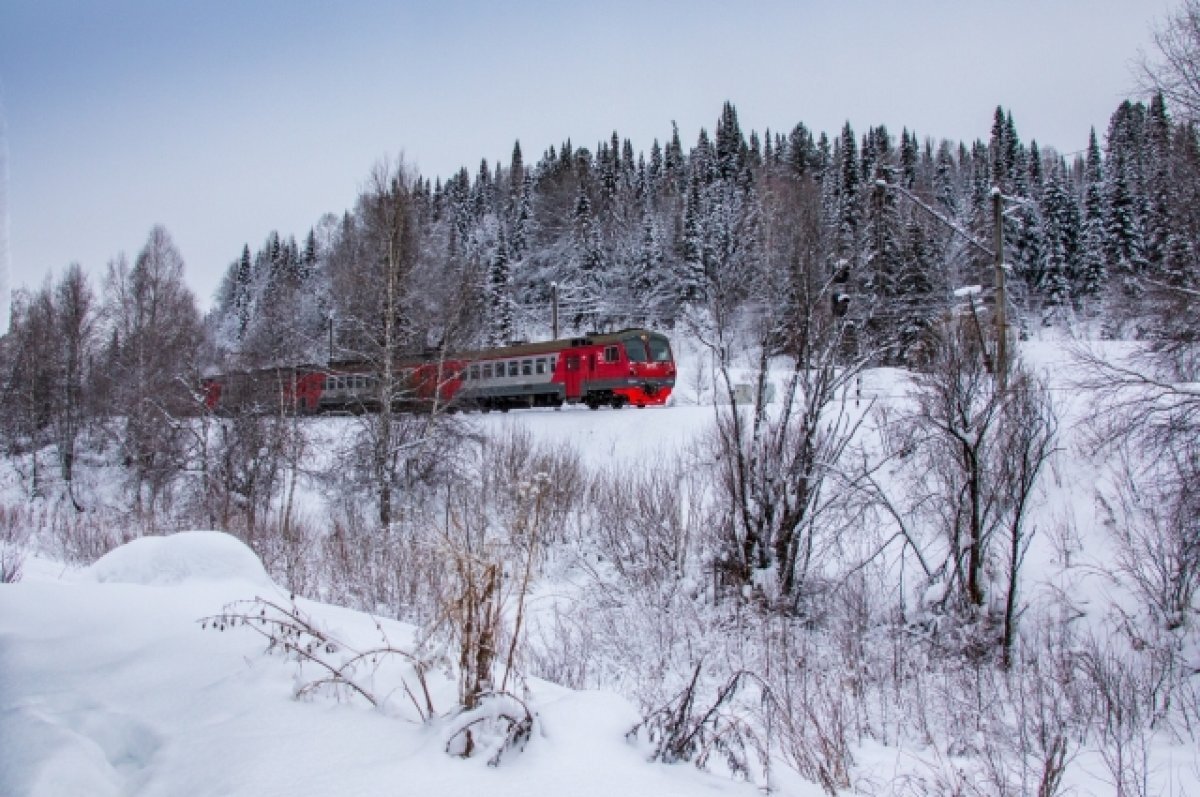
[573, 365]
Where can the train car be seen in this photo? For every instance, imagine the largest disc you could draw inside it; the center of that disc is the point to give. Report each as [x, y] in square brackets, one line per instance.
[631, 367]
[287, 390]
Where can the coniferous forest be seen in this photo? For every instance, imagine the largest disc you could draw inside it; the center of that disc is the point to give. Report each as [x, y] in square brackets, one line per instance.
[640, 237]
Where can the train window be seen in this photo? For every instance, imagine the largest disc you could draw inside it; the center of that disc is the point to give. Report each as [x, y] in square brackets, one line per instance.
[553, 364]
[539, 365]
[526, 367]
[330, 383]
[636, 349]
[660, 352]
[487, 370]
[473, 374]
[611, 355]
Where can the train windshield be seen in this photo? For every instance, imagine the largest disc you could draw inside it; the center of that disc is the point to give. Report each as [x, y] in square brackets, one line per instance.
[648, 348]
[660, 350]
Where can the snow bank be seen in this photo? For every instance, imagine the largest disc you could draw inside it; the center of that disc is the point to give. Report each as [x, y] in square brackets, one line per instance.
[105, 692]
[180, 558]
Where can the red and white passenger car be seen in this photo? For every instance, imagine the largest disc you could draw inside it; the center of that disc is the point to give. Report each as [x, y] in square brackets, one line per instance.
[630, 367]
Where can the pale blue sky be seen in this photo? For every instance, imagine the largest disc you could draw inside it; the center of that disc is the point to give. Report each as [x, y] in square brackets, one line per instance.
[225, 119]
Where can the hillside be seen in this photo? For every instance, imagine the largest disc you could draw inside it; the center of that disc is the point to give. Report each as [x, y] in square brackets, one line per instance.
[112, 684]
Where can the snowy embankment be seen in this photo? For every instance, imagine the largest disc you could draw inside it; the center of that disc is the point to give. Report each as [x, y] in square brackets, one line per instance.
[109, 686]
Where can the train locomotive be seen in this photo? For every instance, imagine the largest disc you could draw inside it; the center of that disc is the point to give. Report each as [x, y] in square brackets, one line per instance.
[632, 367]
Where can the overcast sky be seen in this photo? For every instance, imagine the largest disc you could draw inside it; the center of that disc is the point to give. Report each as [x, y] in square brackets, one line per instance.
[226, 119]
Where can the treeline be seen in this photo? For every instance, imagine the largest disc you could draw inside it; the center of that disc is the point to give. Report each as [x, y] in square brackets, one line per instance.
[119, 370]
[734, 224]
[638, 238]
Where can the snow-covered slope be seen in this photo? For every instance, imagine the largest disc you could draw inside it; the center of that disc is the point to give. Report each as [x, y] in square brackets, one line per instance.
[109, 686]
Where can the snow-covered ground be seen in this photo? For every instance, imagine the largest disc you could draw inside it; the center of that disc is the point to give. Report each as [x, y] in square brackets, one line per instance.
[112, 684]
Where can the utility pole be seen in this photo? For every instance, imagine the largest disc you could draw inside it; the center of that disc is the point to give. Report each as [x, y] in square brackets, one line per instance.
[553, 311]
[1001, 290]
[331, 337]
[1000, 365]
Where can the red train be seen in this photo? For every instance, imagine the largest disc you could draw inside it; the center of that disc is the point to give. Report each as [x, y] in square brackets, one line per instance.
[633, 366]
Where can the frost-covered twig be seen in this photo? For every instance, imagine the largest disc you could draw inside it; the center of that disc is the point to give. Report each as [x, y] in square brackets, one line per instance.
[294, 633]
[500, 715]
[680, 731]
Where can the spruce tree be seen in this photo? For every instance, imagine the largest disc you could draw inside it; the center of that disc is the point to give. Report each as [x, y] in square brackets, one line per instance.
[655, 168]
[500, 295]
[998, 151]
[692, 281]
[730, 144]
[882, 277]
[1159, 184]
[243, 295]
[673, 161]
[1123, 222]
[523, 222]
[1060, 226]
[801, 152]
[1092, 273]
[945, 188]
[848, 212]
[588, 263]
[909, 157]
[516, 176]
[649, 278]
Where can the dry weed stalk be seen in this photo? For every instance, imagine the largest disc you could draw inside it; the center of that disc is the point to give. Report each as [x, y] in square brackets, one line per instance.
[292, 632]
